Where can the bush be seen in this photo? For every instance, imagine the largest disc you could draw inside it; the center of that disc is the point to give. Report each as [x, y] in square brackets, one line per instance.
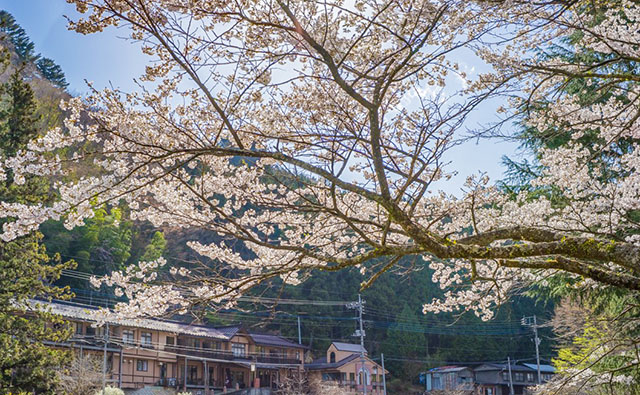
[110, 391]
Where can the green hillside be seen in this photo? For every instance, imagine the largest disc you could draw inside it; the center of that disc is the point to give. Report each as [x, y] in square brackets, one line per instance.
[394, 322]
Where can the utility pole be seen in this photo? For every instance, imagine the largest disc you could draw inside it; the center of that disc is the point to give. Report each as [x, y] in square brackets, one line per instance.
[533, 322]
[104, 357]
[510, 377]
[364, 375]
[537, 341]
[358, 305]
[299, 332]
[384, 376]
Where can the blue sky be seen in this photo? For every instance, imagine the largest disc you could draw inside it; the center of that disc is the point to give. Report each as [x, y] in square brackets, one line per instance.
[107, 59]
[102, 58]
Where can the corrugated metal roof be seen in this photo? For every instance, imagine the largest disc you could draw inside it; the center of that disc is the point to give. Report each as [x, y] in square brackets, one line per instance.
[501, 367]
[543, 368]
[349, 347]
[91, 314]
[445, 369]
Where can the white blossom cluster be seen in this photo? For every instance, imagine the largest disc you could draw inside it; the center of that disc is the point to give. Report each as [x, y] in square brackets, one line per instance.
[284, 126]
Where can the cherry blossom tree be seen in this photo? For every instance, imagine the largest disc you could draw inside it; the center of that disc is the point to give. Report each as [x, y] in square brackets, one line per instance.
[313, 133]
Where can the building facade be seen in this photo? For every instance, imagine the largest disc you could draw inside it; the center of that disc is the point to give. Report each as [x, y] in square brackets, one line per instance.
[343, 366]
[486, 379]
[201, 359]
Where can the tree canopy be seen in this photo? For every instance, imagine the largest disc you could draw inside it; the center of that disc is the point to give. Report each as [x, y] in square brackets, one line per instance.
[26, 271]
[361, 103]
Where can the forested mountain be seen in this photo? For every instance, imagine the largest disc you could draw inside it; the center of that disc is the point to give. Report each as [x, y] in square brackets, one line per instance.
[394, 322]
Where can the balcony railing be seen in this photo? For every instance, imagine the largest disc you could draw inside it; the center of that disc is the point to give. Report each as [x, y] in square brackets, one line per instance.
[91, 340]
[229, 356]
[201, 353]
[277, 360]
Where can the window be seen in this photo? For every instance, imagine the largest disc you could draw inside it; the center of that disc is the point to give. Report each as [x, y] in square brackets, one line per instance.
[519, 377]
[380, 378]
[128, 337]
[238, 349]
[505, 376]
[206, 345]
[530, 377]
[352, 377]
[91, 331]
[298, 355]
[78, 328]
[547, 376]
[142, 365]
[170, 341]
[343, 376]
[374, 378]
[145, 339]
[332, 357]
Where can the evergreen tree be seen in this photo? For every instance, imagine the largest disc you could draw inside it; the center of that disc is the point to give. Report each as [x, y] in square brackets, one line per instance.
[609, 314]
[26, 364]
[18, 115]
[25, 49]
[404, 339]
[23, 45]
[51, 71]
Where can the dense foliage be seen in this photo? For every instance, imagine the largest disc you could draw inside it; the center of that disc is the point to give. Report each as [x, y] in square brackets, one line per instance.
[27, 364]
[597, 327]
[363, 158]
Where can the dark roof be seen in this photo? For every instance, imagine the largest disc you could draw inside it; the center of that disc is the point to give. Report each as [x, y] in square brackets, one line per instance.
[543, 368]
[321, 363]
[349, 347]
[274, 340]
[320, 360]
[501, 367]
[445, 369]
[228, 331]
[93, 314]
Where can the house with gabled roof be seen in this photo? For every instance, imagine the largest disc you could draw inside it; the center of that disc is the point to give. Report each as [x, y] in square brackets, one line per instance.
[189, 357]
[486, 379]
[343, 366]
[450, 378]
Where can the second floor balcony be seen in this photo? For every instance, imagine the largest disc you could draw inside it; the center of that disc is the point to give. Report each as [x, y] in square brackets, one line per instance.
[226, 355]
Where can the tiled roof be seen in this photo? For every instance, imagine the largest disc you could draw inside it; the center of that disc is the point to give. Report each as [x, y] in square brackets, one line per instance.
[273, 340]
[85, 313]
[349, 347]
[228, 331]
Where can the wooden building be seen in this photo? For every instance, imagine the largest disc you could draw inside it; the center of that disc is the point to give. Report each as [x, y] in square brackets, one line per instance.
[343, 366]
[199, 358]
